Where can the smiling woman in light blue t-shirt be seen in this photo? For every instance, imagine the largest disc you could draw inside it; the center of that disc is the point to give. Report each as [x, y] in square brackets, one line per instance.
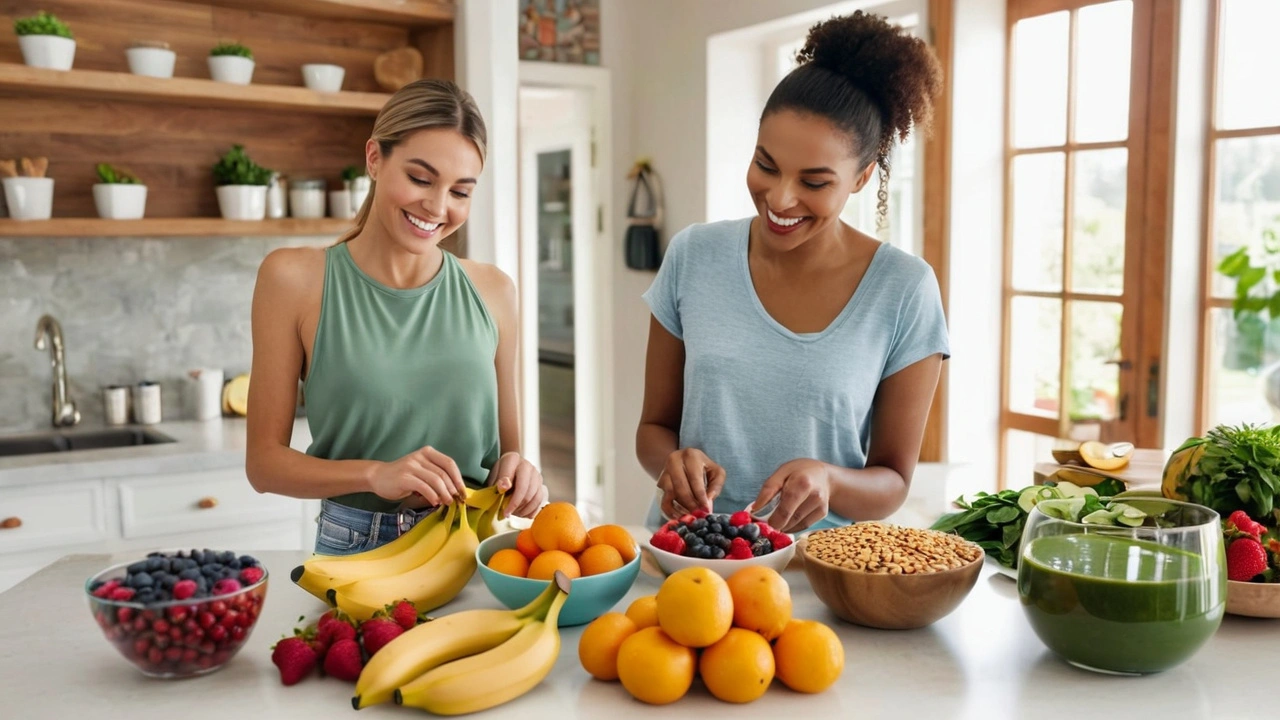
[791, 356]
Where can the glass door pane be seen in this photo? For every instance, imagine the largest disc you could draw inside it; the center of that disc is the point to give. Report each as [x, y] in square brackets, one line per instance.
[1094, 346]
[1247, 65]
[555, 323]
[1098, 221]
[1037, 189]
[1040, 80]
[1103, 43]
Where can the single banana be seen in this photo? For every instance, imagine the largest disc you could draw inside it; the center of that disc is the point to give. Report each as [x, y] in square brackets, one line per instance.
[484, 523]
[496, 676]
[484, 498]
[427, 586]
[422, 549]
[394, 547]
[439, 641]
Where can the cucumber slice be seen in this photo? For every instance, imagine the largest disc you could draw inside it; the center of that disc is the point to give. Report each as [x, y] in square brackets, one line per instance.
[1028, 498]
[1100, 517]
[1131, 521]
[1069, 489]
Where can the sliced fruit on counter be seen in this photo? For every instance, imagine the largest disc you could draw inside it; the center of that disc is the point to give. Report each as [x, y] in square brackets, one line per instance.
[1106, 457]
[235, 395]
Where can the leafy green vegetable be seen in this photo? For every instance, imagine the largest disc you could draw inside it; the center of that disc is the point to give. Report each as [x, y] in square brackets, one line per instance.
[231, 49]
[1239, 470]
[995, 521]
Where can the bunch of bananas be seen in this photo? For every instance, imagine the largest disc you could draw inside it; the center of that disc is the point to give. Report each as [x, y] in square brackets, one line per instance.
[428, 565]
[469, 661]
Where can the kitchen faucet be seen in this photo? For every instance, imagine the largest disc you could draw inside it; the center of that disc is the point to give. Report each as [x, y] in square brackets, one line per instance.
[64, 408]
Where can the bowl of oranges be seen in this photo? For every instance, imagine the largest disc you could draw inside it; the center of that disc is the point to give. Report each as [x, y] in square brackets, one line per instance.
[602, 563]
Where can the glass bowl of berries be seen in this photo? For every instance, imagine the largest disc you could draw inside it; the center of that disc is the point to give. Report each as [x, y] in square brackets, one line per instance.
[179, 614]
[721, 542]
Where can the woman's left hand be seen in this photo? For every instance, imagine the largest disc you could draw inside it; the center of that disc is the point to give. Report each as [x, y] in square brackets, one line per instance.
[805, 489]
[522, 482]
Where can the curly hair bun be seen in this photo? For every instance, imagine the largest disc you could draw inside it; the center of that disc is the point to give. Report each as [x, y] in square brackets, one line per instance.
[898, 71]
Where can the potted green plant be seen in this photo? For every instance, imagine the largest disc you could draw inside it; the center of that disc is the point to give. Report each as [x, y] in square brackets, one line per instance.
[46, 41]
[231, 63]
[1254, 337]
[119, 195]
[242, 186]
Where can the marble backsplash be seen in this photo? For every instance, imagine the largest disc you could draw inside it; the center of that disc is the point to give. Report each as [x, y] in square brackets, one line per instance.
[131, 309]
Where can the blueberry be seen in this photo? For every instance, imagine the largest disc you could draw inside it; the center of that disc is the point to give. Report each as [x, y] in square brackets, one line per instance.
[715, 527]
[226, 557]
[202, 584]
[155, 553]
[247, 561]
[140, 566]
[694, 541]
[156, 563]
[717, 554]
[141, 580]
[750, 531]
[699, 525]
[731, 532]
[192, 573]
[703, 552]
[234, 564]
[146, 597]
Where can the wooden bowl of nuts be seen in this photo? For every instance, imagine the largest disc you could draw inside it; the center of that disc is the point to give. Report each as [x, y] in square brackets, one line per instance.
[888, 576]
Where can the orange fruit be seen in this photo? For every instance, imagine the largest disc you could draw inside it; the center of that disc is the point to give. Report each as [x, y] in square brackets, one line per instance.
[544, 566]
[739, 667]
[761, 600]
[809, 656]
[695, 607]
[598, 647]
[509, 562]
[526, 544]
[643, 611]
[559, 527]
[599, 559]
[616, 537]
[654, 668]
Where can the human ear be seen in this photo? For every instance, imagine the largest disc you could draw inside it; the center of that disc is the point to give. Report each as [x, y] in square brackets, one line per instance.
[864, 177]
[372, 158]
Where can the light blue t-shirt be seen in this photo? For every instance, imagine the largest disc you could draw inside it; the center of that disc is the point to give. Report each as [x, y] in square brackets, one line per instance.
[757, 395]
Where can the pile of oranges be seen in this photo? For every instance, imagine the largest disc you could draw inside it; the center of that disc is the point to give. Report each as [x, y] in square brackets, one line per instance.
[558, 540]
[738, 635]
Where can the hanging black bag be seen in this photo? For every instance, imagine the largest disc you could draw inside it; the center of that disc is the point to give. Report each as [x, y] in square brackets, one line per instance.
[642, 249]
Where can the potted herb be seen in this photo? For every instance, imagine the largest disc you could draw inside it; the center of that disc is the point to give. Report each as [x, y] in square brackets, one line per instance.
[231, 63]
[119, 195]
[1253, 340]
[46, 41]
[357, 184]
[242, 186]
[152, 59]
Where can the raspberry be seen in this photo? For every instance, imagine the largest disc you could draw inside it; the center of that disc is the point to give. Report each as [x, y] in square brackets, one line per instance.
[121, 594]
[700, 513]
[184, 589]
[251, 575]
[687, 519]
[739, 549]
[779, 540]
[669, 541]
[739, 519]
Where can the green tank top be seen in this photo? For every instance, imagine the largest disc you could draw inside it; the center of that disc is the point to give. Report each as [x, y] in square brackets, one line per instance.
[394, 370]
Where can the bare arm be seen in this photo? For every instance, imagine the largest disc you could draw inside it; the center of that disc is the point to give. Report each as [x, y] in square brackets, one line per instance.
[286, 279]
[685, 476]
[810, 488]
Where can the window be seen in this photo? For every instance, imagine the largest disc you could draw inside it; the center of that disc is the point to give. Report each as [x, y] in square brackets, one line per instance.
[1240, 378]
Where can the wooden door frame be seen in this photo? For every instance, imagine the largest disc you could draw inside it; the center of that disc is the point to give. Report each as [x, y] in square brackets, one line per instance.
[1148, 212]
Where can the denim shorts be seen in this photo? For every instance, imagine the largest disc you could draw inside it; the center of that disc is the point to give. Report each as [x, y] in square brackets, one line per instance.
[343, 530]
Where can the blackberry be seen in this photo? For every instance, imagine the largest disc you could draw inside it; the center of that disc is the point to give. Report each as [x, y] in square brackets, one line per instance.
[761, 547]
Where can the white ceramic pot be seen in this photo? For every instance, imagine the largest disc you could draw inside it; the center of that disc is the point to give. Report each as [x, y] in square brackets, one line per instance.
[359, 188]
[117, 201]
[340, 204]
[47, 51]
[231, 69]
[306, 202]
[242, 202]
[322, 77]
[152, 62]
[29, 198]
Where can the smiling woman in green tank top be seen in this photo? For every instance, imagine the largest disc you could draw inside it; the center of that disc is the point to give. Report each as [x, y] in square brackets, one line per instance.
[407, 352]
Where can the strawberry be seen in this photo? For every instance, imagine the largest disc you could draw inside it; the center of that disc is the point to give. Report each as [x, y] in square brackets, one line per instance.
[740, 518]
[405, 615]
[295, 658]
[251, 575]
[1241, 521]
[329, 630]
[343, 660]
[1245, 559]
[739, 549]
[377, 632]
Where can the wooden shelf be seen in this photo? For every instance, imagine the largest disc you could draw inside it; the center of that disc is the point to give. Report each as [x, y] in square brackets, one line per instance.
[171, 227]
[100, 84]
[406, 13]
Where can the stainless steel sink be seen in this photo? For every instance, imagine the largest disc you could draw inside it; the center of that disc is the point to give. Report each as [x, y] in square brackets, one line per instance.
[72, 440]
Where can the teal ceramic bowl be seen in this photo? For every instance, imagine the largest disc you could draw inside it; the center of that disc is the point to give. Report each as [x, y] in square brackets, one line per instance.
[589, 597]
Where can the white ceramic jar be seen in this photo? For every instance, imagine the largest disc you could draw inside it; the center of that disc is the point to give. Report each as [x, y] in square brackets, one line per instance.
[323, 77]
[151, 61]
[231, 69]
[47, 51]
[29, 198]
[118, 201]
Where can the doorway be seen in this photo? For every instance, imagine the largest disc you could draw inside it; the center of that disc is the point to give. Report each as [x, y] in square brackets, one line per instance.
[562, 299]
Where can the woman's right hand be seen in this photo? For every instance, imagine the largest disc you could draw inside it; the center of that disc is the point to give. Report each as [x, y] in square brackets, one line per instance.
[426, 472]
[691, 479]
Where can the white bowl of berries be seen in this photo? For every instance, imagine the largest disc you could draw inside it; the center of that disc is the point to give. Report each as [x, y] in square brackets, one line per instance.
[179, 614]
[720, 542]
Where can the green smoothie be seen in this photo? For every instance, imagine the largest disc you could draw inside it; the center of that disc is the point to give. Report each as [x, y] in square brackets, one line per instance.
[1118, 604]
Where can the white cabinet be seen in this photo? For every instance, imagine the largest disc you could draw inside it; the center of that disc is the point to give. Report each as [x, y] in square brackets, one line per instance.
[206, 509]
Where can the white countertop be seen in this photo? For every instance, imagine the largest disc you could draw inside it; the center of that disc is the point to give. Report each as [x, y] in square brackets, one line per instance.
[982, 661]
[199, 445]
